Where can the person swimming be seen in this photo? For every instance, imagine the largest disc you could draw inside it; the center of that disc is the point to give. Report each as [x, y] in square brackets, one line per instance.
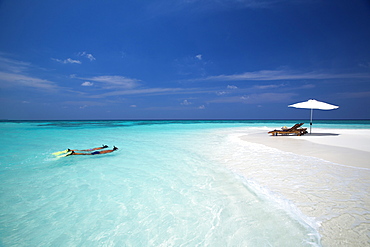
[87, 150]
[93, 153]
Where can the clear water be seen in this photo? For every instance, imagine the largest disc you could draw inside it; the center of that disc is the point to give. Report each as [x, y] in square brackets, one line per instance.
[159, 189]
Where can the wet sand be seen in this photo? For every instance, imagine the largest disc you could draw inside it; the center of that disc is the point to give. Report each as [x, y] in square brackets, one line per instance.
[333, 188]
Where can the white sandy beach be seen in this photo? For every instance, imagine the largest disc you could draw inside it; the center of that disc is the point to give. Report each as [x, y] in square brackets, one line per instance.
[343, 146]
[350, 224]
[326, 176]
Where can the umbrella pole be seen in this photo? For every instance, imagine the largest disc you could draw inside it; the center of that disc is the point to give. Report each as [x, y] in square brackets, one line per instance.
[311, 121]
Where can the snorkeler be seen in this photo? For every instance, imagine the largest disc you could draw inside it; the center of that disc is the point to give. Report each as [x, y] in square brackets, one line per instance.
[93, 153]
[87, 150]
[65, 152]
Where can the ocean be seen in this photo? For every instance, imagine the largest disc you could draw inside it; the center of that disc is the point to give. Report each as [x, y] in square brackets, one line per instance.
[165, 186]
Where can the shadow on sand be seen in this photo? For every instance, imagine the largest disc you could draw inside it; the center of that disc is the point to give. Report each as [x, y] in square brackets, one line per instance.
[321, 134]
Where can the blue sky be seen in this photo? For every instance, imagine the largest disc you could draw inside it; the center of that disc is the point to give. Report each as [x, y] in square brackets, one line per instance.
[183, 59]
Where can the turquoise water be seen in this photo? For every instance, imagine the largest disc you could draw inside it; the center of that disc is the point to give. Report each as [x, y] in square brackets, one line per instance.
[158, 189]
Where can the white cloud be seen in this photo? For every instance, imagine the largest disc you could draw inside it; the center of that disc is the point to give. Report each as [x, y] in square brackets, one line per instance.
[87, 84]
[87, 55]
[91, 57]
[269, 86]
[186, 102]
[202, 107]
[221, 93]
[11, 79]
[274, 75]
[133, 106]
[199, 56]
[84, 104]
[73, 61]
[13, 66]
[115, 81]
[148, 91]
[231, 87]
[68, 60]
[256, 98]
[13, 74]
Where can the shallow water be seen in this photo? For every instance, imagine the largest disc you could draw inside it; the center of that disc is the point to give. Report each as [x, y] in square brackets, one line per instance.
[160, 188]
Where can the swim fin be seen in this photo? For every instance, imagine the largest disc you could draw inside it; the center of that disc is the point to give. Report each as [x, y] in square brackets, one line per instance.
[64, 155]
[60, 152]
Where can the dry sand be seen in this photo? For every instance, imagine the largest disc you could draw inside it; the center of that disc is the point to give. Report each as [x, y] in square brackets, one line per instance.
[342, 146]
[327, 177]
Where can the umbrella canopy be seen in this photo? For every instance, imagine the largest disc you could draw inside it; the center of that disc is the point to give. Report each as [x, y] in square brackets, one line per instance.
[314, 104]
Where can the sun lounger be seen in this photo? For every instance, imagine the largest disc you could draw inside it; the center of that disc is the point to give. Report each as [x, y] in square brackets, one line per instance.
[295, 130]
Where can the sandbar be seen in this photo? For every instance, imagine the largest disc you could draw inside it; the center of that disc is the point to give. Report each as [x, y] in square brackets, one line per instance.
[330, 186]
[343, 146]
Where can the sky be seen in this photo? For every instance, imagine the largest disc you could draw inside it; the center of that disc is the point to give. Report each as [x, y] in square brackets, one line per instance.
[183, 59]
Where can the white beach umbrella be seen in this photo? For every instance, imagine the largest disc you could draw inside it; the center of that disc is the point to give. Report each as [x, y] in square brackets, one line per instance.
[314, 104]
